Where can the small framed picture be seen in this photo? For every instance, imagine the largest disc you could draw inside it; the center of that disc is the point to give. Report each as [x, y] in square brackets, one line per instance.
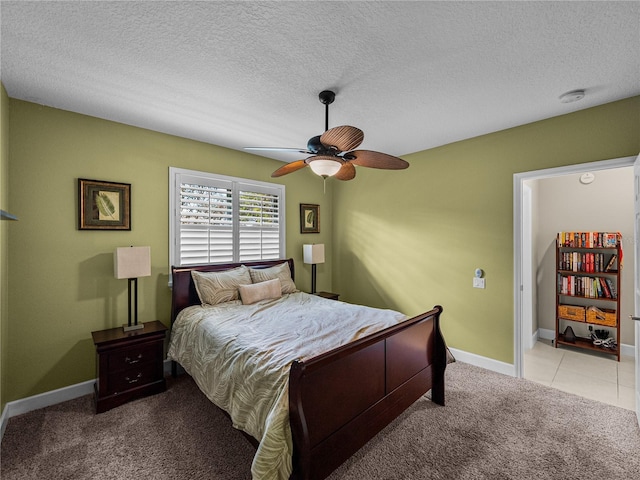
[103, 205]
[309, 218]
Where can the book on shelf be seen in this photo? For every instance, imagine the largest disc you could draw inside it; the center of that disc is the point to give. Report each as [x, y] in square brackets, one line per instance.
[610, 240]
[612, 288]
[589, 239]
[589, 287]
[597, 287]
[590, 262]
[611, 264]
[605, 288]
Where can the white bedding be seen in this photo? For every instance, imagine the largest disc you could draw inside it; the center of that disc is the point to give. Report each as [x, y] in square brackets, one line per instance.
[239, 355]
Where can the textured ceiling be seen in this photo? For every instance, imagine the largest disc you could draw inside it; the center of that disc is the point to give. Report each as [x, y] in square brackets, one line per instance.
[411, 75]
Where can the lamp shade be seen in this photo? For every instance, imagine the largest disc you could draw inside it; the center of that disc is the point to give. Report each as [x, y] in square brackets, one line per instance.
[132, 262]
[313, 253]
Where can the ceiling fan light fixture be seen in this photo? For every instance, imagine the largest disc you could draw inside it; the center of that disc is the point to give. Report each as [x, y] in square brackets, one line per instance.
[325, 167]
[334, 153]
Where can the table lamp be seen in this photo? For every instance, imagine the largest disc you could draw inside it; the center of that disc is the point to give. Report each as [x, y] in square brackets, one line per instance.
[313, 254]
[132, 263]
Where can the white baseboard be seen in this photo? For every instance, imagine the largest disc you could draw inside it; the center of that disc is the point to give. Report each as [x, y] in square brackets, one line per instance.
[24, 405]
[3, 422]
[46, 399]
[545, 334]
[484, 362]
[627, 350]
[53, 397]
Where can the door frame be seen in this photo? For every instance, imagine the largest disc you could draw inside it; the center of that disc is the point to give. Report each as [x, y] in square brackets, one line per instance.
[636, 279]
[521, 332]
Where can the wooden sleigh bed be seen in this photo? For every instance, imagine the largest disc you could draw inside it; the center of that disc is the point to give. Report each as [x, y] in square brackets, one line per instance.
[341, 399]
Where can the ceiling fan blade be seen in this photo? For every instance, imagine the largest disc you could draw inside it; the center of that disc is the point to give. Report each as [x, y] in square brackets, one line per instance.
[278, 149]
[371, 159]
[346, 172]
[344, 138]
[289, 168]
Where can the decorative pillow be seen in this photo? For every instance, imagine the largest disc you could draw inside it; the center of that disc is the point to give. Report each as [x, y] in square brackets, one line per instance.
[219, 287]
[280, 272]
[260, 291]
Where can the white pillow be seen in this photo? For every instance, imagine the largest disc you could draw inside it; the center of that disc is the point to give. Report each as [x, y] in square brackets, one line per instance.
[281, 272]
[260, 291]
[219, 287]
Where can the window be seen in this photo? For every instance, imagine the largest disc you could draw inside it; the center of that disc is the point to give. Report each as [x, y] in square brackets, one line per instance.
[217, 219]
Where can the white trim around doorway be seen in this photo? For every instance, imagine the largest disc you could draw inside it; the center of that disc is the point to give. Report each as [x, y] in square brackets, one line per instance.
[521, 333]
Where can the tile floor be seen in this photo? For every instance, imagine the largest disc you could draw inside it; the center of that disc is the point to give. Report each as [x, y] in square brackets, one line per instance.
[590, 375]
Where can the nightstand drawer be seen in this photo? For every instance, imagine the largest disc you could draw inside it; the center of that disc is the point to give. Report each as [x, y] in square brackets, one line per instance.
[134, 356]
[133, 377]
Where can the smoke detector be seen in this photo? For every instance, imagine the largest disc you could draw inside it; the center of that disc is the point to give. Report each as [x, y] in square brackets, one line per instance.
[587, 178]
[572, 96]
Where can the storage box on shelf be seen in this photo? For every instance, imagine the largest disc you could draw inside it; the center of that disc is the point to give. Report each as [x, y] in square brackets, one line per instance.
[604, 317]
[588, 268]
[571, 312]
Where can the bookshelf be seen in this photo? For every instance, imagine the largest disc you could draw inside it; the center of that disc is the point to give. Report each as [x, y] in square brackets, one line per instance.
[588, 268]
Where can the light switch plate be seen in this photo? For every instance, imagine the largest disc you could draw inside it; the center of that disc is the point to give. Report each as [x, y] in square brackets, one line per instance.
[478, 283]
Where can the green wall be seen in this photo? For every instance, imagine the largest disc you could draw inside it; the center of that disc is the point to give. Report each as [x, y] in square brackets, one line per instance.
[412, 239]
[61, 284]
[403, 239]
[4, 229]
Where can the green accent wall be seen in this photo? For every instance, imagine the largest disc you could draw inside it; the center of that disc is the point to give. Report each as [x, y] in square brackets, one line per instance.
[405, 239]
[4, 229]
[412, 239]
[61, 285]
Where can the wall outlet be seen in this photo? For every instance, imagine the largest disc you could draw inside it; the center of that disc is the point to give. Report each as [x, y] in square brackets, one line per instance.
[478, 283]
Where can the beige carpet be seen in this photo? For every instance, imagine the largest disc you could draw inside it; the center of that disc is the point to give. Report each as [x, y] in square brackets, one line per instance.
[493, 427]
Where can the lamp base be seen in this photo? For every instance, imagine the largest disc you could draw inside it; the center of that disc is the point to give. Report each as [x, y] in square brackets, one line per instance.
[129, 328]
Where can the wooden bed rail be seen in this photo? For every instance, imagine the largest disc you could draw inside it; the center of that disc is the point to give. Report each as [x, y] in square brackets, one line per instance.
[339, 400]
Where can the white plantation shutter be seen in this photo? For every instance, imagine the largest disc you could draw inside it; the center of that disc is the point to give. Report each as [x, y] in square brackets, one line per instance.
[217, 219]
[259, 224]
[206, 224]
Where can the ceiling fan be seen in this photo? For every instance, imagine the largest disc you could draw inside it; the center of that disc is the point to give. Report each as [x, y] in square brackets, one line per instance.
[333, 154]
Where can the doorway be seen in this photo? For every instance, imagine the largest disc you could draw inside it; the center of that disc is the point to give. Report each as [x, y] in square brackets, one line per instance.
[535, 261]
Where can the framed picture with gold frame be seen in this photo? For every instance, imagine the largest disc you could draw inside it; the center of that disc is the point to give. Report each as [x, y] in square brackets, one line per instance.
[103, 205]
[309, 218]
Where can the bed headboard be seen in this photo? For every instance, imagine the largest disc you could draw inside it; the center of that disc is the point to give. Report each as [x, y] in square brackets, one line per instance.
[183, 292]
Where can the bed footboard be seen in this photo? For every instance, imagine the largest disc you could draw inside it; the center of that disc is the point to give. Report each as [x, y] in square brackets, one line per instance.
[338, 401]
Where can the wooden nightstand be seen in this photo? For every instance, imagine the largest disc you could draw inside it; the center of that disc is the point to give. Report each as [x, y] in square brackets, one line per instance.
[129, 364]
[329, 295]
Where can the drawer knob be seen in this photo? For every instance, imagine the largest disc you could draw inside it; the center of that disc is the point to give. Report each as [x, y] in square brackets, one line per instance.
[131, 361]
[134, 380]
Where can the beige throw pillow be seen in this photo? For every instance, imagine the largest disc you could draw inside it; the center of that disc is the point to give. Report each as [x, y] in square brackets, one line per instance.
[219, 287]
[280, 272]
[260, 291]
